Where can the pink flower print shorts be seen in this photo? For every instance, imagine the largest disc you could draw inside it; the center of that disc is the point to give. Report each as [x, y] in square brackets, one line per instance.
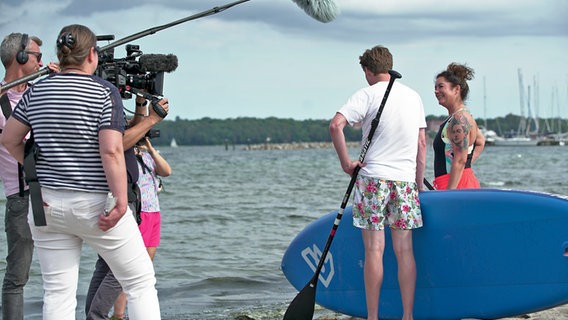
[378, 202]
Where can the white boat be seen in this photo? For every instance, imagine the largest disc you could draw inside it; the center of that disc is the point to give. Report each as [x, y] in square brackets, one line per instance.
[489, 135]
[515, 141]
[527, 135]
[173, 144]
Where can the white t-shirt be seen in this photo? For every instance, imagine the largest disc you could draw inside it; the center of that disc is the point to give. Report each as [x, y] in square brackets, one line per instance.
[9, 165]
[394, 146]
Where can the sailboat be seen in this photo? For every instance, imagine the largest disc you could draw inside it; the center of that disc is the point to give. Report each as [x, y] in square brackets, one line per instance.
[528, 127]
[173, 143]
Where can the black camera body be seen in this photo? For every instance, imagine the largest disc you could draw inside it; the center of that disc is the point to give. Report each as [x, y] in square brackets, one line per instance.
[152, 133]
[136, 70]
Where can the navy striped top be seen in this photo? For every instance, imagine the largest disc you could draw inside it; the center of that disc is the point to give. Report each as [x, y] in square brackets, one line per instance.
[66, 111]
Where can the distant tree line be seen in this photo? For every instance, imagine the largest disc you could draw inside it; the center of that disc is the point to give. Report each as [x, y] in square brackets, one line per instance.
[510, 124]
[246, 130]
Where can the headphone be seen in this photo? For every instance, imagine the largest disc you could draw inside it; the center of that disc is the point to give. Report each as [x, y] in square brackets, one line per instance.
[22, 56]
[67, 40]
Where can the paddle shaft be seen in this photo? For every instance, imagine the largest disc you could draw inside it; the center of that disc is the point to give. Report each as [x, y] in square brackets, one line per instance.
[302, 307]
[428, 185]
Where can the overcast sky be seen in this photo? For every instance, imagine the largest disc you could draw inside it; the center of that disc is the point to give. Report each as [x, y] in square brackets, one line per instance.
[267, 58]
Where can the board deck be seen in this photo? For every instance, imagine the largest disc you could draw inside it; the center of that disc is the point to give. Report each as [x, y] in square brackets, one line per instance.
[483, 253]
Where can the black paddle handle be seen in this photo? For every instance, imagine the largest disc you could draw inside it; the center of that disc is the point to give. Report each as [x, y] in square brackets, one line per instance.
[428, 185]
[393, 76]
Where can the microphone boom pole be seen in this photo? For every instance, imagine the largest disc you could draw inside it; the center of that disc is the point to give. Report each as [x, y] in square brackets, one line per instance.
[171, 24]
[27, 78]
[124, 40]
[321, 10]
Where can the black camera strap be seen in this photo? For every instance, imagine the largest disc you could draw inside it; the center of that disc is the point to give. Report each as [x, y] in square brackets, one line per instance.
[31, 152]
[7, 111]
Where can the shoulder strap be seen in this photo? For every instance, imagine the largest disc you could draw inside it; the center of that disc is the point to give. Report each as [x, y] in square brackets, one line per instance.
[152, 173]
[31, 152]
[142, 163]
[6, 106]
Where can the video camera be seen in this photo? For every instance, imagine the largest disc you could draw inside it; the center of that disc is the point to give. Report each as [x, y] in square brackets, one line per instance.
[136, 70]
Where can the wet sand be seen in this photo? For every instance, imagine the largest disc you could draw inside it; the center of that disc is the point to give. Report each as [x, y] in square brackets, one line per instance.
[558, 313]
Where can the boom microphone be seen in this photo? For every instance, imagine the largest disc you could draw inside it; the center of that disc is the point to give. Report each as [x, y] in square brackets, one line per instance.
[158, 62]
[321, 10]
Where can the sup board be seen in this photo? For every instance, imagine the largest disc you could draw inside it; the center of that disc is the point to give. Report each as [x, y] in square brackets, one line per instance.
[482, 253]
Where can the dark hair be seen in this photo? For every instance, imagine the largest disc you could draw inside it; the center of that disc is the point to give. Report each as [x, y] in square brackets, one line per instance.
[377, 59]
[74, 45]
[458, 74]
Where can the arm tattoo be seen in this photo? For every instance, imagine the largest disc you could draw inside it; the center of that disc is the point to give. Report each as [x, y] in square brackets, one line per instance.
[459, 131]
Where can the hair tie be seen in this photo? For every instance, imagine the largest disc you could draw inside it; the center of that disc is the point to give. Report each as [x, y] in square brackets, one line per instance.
[67, 40]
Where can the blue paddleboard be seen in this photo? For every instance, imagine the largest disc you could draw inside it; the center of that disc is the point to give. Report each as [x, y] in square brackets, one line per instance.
[483, 253]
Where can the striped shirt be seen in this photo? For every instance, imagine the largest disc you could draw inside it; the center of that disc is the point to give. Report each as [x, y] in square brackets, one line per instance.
[66, 111]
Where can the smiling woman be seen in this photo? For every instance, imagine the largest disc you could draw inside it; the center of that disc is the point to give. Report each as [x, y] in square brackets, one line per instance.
[459, 142]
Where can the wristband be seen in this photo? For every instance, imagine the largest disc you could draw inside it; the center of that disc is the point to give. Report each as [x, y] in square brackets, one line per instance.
[143, 104]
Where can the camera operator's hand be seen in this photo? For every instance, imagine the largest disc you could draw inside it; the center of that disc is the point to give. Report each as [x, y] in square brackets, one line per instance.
[159, 109]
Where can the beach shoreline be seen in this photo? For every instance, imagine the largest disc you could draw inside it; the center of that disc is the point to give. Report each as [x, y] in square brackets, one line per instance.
[557, 313]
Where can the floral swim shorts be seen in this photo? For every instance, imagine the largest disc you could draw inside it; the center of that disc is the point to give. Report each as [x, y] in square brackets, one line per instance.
[378, 202]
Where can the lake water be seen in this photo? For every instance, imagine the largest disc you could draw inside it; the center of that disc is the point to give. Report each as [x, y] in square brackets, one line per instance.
[229, 215]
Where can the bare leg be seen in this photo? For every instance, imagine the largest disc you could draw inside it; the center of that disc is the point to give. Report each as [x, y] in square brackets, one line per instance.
[119, 306]
[374, 242]
[402, 243]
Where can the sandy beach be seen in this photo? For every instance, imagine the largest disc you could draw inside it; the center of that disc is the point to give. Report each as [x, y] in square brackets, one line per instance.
[558, 313]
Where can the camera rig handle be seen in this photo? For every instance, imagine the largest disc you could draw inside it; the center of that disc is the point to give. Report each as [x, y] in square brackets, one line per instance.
[154, 100]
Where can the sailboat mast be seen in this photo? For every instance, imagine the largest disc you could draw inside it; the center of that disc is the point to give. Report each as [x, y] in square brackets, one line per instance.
[536, 105]
[484, 104]
[522, 125]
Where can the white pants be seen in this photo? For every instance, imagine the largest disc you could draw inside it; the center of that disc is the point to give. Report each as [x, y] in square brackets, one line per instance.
[72, 217]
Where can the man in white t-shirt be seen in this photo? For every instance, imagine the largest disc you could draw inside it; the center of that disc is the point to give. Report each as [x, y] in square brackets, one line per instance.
[391, 175]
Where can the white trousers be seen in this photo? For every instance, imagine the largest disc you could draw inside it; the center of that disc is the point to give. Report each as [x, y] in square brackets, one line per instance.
[72, 217]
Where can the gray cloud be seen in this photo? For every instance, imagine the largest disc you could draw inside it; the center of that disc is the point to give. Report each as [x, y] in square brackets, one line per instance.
[356, 24]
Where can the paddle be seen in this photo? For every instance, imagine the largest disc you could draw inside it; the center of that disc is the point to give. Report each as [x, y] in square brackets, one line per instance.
[302, 307]
[428, 185]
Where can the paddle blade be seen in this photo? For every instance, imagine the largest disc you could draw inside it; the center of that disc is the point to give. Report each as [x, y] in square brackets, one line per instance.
[302, 307]
[321, 10]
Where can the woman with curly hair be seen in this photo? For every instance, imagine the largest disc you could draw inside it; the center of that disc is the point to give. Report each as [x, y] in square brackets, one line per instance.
[459, 142]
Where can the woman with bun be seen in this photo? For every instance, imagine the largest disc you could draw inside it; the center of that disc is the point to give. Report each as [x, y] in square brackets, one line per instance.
[459, 142]
[77, 121]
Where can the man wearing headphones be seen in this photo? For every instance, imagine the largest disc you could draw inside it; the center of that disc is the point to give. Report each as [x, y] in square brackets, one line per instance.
[21, 56]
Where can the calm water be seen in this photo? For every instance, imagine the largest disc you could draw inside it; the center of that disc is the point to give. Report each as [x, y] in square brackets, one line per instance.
[228, 216]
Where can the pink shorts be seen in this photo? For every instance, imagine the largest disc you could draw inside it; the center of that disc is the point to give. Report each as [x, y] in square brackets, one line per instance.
[150, 228]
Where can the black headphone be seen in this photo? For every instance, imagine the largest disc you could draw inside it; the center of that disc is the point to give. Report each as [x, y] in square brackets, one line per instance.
[67, 40]
[22, 56]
